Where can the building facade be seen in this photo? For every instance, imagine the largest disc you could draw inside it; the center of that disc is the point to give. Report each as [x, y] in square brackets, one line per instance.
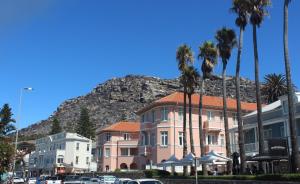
[61, 153]
[275, 125]
[161, 132]
[117, 147]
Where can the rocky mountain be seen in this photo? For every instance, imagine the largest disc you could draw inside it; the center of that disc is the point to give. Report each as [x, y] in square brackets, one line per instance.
[119, 98]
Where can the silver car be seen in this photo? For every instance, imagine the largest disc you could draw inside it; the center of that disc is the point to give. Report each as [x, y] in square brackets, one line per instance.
[145, 181]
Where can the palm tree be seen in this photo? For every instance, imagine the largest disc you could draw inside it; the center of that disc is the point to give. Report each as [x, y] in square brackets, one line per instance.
[226, 39]
[274, 87]
[240, 7]
[292, 122]
[208, 53]
[257, 10]
[184, 57]
[191, 76]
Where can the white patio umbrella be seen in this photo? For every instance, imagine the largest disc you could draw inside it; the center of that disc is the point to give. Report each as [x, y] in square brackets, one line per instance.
[171, 161]
[213, 157]
[187, 160]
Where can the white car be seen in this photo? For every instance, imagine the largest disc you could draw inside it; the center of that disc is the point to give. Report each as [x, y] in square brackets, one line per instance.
[31, 181]
[122, 180]
[107, 179]
[145, 181]
[18, 180]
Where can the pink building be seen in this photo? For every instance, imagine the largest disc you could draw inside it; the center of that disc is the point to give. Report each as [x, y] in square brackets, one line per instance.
[162, 126]
[117, 146]
[159, 135]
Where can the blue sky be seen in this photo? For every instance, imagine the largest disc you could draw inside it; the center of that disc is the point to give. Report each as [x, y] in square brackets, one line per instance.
[64, 48]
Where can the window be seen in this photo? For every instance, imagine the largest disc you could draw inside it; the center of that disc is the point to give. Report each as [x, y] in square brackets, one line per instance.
[152, 139]
[88, 147]
[221, 116]
[143, 118]
[180, 136]
[164, 138]
[77, 146]
[234, 118]
[108, 137]
[60, 160]
[222, 140]
[87, 160]
[124, 152]
[180, 114]
[267, 133]
[212, 140]
[282, 134]
[77, 159]
[210, 116]
[164, 114]
[100, 152]
[107, 152]
[153, 116]
[126, 136]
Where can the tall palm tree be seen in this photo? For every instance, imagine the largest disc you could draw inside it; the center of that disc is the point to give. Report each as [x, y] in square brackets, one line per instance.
[240, 7]
[257, 10]
[184, 57]
[226, 41]
[274, 86]
[191, 76]
[208, 53]
[292, 122]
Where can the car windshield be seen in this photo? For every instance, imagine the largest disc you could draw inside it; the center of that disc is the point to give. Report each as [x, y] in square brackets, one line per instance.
[85, 179]
[71, 178]
[51, 178]
[109, 178]
[150, 182]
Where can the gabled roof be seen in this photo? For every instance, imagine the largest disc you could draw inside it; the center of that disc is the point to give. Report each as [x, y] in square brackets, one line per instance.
[122, 126]
[212, 102]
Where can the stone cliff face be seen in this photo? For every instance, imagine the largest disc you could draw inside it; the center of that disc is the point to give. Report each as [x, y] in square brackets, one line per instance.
[119, 99]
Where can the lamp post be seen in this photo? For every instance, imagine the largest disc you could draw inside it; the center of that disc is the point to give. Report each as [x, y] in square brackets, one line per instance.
[17, 131]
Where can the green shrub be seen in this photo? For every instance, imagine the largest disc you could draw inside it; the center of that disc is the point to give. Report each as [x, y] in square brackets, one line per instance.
[156, 173]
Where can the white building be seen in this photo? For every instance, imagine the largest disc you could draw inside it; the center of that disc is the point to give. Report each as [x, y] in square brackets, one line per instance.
[275, 125]
[61, 153]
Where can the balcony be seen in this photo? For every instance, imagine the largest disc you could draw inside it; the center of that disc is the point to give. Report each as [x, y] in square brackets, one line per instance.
[213, 126]
[128, 143]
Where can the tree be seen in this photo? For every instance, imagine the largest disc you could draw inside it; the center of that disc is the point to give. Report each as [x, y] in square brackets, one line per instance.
[274, 86]
[85, 127]
[184, 57]
[5, 121]
[257, 10]
[6, 156]
[191, 76]
[226, 41]
[240, 8]
[292, 121]
[56, 128]
[208, 53]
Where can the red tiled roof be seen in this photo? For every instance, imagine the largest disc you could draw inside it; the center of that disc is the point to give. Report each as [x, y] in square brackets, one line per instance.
[123, 127]
[213, 102]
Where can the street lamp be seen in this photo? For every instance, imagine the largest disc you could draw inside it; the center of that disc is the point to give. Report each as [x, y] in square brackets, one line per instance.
[17, 131]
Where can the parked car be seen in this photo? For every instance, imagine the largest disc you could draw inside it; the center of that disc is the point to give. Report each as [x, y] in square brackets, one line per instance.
[31, 181]
[145, 181]
[85, 180]
[107, 179]
[72, 179]
[95, 181]
[122, 180]
[51, 180]
[18, 180]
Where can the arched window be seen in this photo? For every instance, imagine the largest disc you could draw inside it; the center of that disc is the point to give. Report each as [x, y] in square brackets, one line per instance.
[123, 166]
[133, 166]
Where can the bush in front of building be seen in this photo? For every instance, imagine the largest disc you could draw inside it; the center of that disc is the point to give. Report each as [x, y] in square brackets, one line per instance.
[155, 173]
